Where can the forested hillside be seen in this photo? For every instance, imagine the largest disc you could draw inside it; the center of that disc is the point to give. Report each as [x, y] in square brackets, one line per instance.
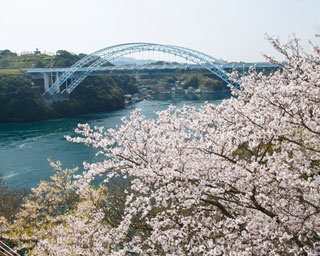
[21, 98]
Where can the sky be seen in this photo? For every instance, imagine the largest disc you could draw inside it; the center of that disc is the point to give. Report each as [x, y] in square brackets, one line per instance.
[232, 30]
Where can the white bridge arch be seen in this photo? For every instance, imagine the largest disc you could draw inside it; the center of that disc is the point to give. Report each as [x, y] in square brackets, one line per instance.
[108, 54]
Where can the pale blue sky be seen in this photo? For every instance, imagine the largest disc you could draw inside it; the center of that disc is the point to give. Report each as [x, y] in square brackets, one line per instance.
[233, 30]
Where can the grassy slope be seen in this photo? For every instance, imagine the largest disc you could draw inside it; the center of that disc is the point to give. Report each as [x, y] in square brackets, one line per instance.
[12, 65]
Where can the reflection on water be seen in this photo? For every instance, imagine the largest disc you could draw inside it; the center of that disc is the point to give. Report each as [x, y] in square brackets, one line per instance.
[25, 148]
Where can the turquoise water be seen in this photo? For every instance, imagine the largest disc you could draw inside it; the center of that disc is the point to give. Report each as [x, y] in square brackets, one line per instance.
[25, 148]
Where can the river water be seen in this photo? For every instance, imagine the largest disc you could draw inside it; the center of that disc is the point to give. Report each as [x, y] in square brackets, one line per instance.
[26, 147]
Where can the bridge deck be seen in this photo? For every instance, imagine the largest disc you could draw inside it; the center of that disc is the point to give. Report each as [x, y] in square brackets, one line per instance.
[229, 66]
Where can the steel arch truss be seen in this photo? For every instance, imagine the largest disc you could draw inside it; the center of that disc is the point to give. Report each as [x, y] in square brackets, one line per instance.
[108, 54]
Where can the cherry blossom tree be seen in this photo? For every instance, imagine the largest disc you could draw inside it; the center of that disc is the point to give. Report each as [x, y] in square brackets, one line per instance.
[43, 209]
[240, 178]
[58, 219]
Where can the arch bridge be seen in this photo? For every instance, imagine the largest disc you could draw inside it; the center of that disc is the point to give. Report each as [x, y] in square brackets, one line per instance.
[99, 58]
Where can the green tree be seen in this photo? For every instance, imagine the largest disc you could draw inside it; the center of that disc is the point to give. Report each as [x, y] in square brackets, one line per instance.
[192, 81]
[7, 53]
[65, 59]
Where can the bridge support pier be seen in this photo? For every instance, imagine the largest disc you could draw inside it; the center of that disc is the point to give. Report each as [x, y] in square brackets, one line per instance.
[57, 78]
[46, 81]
